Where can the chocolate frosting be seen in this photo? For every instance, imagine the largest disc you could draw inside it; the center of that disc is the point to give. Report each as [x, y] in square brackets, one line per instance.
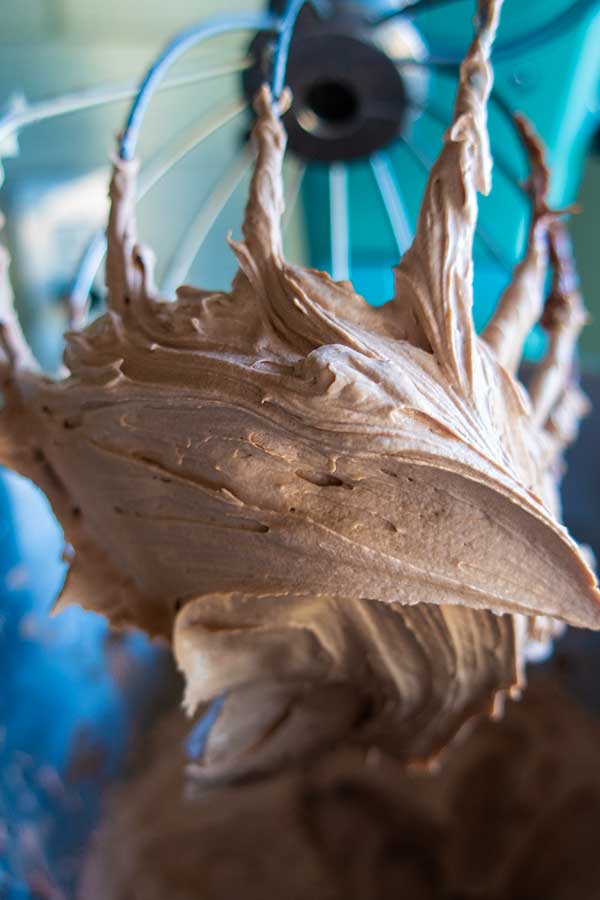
[345, 517]
[512, 811]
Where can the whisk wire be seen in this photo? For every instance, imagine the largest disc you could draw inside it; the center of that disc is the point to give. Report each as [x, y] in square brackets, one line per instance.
[216, 201]
[173, 51]
[389, 190]
[166, 158]
[339, 221]
[293, 187]
[21, 114]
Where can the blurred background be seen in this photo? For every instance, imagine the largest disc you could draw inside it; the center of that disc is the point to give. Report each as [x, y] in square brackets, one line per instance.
[68, 686]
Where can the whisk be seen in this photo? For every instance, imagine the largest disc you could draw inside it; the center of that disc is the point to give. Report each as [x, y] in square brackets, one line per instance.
[371, 84]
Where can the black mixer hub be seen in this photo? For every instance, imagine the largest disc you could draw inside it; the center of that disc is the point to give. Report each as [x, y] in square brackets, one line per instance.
[350, 95]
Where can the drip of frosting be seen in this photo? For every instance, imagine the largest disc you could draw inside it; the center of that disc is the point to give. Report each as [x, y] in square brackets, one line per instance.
[355, 507]
[316, 669]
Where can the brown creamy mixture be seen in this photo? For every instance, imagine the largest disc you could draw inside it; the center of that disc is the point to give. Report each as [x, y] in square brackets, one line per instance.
[345, 518]
[513, 814]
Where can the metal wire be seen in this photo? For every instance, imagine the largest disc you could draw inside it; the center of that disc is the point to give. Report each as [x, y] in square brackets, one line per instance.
[22, 114]
[339, 225]
[188, 140]
[83, 282]
[431, 62]
[187, 251]
[286, 31]
[95, 251]
[166, 158]
[385, 178]
[172, 52]
[293, 186]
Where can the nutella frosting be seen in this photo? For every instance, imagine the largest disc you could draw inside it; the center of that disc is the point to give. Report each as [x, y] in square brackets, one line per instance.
[346, 518]
[512, 812]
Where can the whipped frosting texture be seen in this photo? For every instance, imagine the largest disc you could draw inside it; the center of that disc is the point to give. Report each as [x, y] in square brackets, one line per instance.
[312, 497]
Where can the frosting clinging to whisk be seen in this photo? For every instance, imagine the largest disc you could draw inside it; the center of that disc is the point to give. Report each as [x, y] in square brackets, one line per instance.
[343, 502]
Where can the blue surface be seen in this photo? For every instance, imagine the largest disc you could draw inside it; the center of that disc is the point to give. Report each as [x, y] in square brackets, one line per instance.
[66, 705]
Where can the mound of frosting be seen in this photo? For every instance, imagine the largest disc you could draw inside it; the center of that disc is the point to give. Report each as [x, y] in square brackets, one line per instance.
[513, 811]
[346, 517]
